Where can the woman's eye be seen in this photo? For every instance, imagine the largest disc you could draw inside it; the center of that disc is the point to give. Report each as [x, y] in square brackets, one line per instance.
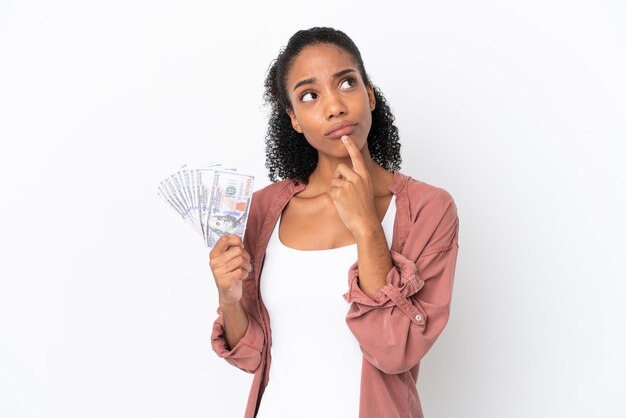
[348, 82]
[309, 94]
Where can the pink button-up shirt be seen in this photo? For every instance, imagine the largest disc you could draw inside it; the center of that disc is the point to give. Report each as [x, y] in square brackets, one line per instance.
[395, 328]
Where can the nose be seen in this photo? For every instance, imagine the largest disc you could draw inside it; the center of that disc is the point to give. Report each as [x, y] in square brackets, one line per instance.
[335, 106]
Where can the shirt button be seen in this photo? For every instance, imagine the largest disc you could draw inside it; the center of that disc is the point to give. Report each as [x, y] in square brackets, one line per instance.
[418, 317]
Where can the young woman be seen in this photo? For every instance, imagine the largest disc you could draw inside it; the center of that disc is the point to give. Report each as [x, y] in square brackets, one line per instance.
[344, 278]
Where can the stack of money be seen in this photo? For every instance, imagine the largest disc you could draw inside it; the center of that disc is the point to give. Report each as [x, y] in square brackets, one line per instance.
[213, 200]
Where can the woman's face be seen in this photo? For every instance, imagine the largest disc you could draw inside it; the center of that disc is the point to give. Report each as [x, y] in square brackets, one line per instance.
[326, 92]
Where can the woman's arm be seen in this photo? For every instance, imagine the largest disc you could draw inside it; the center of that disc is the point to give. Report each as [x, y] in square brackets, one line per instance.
[374, 259]
[235, 322]
[237, 337]
[397, 325]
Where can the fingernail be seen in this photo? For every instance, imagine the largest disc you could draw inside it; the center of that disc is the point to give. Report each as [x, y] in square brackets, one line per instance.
[344, 138]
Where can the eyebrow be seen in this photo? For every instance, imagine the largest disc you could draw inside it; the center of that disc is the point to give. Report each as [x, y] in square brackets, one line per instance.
[312, 80]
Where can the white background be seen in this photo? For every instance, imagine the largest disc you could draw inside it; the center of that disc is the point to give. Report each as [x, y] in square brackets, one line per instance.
[516, 108]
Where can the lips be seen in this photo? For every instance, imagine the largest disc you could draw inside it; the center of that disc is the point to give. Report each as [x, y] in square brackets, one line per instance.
[340, 130]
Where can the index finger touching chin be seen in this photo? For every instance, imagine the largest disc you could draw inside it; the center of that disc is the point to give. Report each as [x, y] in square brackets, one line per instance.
[355, 154]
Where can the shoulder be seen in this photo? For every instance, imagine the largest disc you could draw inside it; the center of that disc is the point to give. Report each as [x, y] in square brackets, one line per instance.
[263, 197]
[262, 200]
[427, 200]
[260, 203]
[434, 218]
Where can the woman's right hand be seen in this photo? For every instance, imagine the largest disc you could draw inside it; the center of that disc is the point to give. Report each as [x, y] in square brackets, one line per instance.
[230, 264]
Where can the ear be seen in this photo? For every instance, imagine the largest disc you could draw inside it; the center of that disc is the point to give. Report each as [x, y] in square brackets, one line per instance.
[371, 96]
[294, 121]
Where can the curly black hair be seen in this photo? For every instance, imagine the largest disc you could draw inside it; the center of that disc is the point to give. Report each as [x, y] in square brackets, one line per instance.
[287, 152]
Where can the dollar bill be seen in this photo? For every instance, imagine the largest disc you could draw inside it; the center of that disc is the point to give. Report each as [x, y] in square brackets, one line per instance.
[172, 192]
[212, 199]
[228, 205]
[170, 202]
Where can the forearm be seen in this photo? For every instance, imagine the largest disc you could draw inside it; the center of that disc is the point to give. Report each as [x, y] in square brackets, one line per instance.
[237, 337]
[235, 322]
[374, 259]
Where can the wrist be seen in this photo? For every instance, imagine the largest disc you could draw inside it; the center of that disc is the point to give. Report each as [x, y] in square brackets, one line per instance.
[226, 303]
[368, 232]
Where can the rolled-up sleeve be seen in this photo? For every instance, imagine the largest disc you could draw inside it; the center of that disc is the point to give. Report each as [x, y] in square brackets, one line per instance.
[246, 355]
[397, 326]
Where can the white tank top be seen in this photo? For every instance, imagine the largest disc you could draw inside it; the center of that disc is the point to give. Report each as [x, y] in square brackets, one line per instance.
[316, 360]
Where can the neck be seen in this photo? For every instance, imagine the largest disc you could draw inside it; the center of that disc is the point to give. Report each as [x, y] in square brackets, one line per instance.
[320, 179]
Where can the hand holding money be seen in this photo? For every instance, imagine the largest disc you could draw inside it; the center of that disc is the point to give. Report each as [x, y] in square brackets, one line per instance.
[213, 200]
[230, 264]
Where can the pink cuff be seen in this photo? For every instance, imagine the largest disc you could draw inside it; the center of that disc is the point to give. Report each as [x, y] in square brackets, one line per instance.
[402, 283]
[246, 353]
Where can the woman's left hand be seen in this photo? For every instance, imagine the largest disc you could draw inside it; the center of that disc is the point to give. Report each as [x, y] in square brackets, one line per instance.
[353, 193]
